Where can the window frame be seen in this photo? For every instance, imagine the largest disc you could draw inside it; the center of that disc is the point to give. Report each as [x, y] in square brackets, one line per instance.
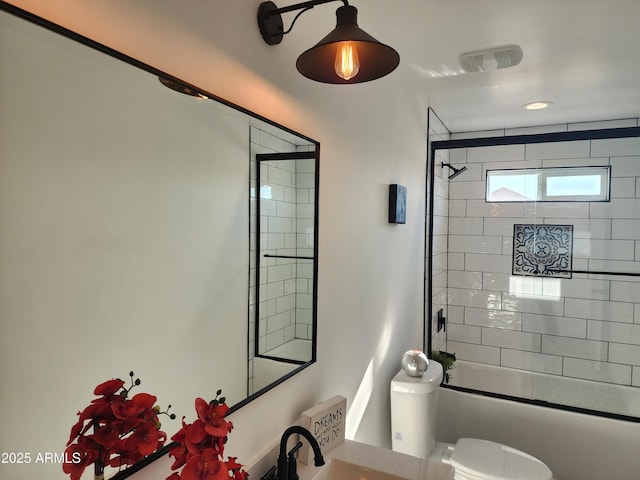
[544, 173]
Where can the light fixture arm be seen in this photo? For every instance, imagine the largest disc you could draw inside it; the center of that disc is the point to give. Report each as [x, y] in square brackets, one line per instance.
[305, 5]
[270, 18]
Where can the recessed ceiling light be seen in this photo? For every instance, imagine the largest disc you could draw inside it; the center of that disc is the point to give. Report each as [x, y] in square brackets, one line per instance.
[536, 105]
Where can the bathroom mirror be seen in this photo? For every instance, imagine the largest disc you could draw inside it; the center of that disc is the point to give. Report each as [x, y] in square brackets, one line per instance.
[125, 223]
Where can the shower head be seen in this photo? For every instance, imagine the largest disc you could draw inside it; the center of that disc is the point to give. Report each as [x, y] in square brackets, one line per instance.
[456, 171]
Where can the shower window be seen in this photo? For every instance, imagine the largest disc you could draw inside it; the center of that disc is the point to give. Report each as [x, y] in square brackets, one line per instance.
[566, 184]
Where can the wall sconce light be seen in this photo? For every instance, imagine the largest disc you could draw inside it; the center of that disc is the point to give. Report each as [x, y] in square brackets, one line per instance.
[346, 55]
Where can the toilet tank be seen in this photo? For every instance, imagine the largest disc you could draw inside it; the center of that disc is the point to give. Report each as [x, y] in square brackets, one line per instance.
[414, 401]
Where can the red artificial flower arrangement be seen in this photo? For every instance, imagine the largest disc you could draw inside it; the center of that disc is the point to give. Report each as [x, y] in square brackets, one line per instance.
[199, 447]
[114, 430]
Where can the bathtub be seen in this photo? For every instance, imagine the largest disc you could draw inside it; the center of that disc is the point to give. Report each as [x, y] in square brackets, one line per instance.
[575, 445]
[269, 368]
[297, 349]
[584, 394]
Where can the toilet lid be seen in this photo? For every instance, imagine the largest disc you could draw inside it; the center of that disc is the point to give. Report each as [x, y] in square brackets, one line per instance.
[494, 461]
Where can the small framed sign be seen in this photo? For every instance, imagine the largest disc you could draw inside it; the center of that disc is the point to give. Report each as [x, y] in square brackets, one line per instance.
[326, 422]
[397, 203]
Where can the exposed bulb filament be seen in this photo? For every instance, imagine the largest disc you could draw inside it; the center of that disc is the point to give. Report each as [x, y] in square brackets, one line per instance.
[347, 64]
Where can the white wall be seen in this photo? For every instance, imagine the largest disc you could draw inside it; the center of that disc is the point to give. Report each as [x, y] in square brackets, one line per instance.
[370, 275]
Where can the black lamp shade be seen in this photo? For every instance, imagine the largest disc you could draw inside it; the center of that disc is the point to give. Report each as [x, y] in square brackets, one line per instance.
[376, 59]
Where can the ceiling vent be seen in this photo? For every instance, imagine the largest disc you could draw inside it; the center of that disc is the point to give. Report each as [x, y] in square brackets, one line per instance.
[491, 59]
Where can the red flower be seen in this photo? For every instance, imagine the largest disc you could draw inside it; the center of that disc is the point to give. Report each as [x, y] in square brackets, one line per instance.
[240, 475]
[205, 466]
[98, 410]
[134, 407]
[76, 459]
[212, 414]
[194, 435]
[199, 446]
[109, 387]
[232, 464]
[236, 469]
[124, 430]
[78, 429]
[107, 435]
[145, 438]
[179, 452]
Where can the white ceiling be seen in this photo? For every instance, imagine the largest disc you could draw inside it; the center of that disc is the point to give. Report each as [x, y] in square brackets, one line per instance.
[582, 55]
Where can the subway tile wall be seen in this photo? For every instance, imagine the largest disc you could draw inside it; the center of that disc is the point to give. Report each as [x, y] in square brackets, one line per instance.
[587, 327]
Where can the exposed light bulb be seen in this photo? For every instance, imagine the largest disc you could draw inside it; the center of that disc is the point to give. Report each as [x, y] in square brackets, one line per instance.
[347, 64]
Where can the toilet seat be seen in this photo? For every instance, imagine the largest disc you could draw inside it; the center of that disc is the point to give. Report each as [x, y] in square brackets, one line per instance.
[475, 459]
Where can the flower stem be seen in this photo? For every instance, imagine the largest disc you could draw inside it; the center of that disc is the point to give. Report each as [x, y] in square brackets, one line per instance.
[98, 467]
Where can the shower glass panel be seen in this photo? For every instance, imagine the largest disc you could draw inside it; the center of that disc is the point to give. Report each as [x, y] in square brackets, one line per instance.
[285, 254]
[541, 297]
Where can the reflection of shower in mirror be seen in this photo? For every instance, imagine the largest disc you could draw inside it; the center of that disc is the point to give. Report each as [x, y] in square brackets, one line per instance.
[456, 171]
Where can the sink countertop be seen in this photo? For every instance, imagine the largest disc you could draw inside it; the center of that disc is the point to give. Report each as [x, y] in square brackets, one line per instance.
[381, 459]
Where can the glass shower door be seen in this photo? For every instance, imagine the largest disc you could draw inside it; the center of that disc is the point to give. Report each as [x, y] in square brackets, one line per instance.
[541, 289]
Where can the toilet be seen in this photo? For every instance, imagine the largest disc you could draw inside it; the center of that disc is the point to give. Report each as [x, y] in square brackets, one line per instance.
[413, 419]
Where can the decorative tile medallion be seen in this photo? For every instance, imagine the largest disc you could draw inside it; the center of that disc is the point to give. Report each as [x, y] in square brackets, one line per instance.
[539, 250]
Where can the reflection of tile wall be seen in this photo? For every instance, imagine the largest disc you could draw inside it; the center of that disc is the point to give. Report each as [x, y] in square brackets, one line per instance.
[542, 250]
[583, 327]
[288, 193]
[305, 235]
[278, 225]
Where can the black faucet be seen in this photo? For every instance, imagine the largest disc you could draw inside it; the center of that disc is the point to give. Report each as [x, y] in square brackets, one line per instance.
[287, 466]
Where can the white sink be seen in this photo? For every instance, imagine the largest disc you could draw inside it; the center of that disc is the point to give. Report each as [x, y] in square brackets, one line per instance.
[358, 461]
[340, 470]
